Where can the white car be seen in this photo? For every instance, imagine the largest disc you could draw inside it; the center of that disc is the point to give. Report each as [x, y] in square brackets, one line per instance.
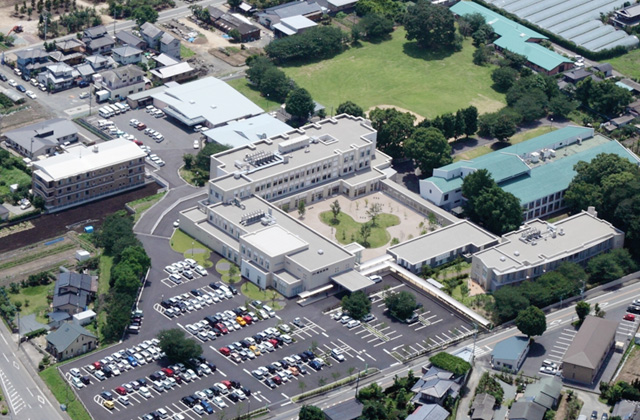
[219, 402]
[171, 269]
[84, 95]
[30, 94]
[124, 400]
[12, 83]
[77, 383]
[196, 144]
[337, 354]
[134, 122]
[353, 323]
[176, 223]
[198, 409]
[75, 372]
[144, 391]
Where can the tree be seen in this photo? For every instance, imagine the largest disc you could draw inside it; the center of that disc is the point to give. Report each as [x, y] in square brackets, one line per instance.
[300, 104]
[503, 78]
[356, 304]
[374, 410]
[472, 186]
[497, 210]
[177, 347]
[394, 127]
[188, 159]
[235, 35]
[143, 14]
[603, 269]
[234, 4]
[275, 84]
[481, 55]
[365, 232]
[401, 305]
[533, 106]
[561, 106]
[432, 26]
[374, 27]
[375, 209]
[598, 311]
[531, 321]
[350, 108]
[460, 124]
[310, 412]
[301, 208]
[429, 148]
[504, 127]
[470, 120]
[582, 310]
[335, 209]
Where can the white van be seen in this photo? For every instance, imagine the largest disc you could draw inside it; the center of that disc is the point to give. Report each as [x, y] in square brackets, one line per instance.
[126, 106]
[105, 112]
[114, 109]
[269, 310]
[120, 107]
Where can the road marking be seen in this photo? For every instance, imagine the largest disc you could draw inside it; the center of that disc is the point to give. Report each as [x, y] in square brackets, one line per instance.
[5, 356]
[4, 339]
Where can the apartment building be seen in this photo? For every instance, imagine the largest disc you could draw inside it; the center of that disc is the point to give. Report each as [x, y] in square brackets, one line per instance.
[85, 174]
[538, 247]
[334, 156]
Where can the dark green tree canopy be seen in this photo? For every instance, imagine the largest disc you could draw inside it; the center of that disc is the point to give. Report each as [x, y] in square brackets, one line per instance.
[432, 26]
[504, 77]
[394, 127]
[310, 412]
[531, 322]
[177, 347]
[300, 104]
[350, 108]
[497, 210]
[143, 14]
[374, 27]
[429, 149]
[401, 305]
[356, 304]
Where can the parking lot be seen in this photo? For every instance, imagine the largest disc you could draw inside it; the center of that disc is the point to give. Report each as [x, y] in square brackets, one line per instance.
[379, 344]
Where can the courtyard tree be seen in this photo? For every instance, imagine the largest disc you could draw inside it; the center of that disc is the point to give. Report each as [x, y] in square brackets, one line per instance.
[401, 305]
[300, 104]
[233, 272]
[470, 120]
[531, 321]
[429, 149]
[310, 412]
[472, 186]
[350, 108]
[356, 304]
[365, 232]
[188, 160]
[431, 26]
[497, 210]
[177, 347]
[374, 211]
[302, 209]
[335, 210]
[582, 310]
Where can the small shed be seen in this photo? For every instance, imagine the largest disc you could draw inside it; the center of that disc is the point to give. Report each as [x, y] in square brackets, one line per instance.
[85, 317]
[88, 229]
[82, 255]
[4, 213]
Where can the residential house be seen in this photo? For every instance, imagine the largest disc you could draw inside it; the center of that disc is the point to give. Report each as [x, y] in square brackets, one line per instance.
[174, 73]
[605, 68]
[163, 60]
[70, 340]
[526, 410]
[100, 63]
[628, 16]
[123, 81]
[32, 60]
[634, 108]
[227, 22]
[73, 292]
[57, 77]
[429, 412]
[97, 40]
[151, 35]
[435, 386]
[170, 45]
[626, 410]
[308, 8]
[577, 75]
[128, 38]
[126, 55]
[84, 72]
[585, 357]
[510, 353]
[41, 138]
[545, 392]
[292, 25]
[70, 59]
[335, 6]
[482, 407]
[70, 303]
[70, 46]
[630, 85]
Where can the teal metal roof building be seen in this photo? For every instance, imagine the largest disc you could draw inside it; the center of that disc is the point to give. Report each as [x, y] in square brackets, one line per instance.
[536, 171]
[510, 353]
[518, 39]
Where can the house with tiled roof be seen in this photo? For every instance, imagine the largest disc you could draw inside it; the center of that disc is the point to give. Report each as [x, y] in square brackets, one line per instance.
[70, 340]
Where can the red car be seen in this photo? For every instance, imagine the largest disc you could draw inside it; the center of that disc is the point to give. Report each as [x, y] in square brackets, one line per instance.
[97, 365]
[225, 351]
[120, 390]
[141, 126]
[167, 371]
[277, 380]
[629, 317]
[274, 342]
[247, 319]
[226, 383]
[222, 328]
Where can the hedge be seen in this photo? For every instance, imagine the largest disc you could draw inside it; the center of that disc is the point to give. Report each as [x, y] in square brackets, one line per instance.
[592, 55]
[451, 363]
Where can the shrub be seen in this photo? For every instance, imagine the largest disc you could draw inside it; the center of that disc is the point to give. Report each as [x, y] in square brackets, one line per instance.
[451, 363]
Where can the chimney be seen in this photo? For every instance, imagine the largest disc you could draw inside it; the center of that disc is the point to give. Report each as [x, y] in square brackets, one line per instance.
[592, 211]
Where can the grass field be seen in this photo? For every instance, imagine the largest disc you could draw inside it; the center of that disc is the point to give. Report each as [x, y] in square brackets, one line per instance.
[183, 243]
[348, 230]
[12, 176]
[628, 64]
[396, 72]
[242, 86]
[37, 297]
[64, 394]
[186, 53]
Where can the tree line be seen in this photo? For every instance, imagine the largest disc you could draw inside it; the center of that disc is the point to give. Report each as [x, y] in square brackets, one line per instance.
[131, 262]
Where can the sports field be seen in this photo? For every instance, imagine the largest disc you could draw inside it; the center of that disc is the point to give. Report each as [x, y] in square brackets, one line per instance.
[397, 73]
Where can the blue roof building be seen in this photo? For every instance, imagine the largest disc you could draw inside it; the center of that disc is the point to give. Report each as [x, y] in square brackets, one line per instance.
[536, 171]
[510, 353]
[518, 39]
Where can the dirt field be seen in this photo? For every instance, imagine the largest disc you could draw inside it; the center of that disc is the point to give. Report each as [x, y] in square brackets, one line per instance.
[33, 114]
[631, 368]
[53, 225]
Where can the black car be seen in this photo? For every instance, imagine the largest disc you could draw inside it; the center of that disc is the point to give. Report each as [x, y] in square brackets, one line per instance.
[166, 304]
[21, 88]
[309, 354]
[284, 363]
[142, 381]
[233, 289]
[269, 382]
[257, 338]
[85, 380]
[246, 391]
[196, 292]
[304, 357]
[233, 397]
[245, 344]
[235, 384]
[195, 398]
[215, 391]
[188, 401]
[156, 376]
[272, 368]
[3, 77]
[214, 286]
[212, 366]
[634, 309]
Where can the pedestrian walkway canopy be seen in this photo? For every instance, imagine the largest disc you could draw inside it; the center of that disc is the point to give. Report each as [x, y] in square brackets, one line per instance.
[352, 281]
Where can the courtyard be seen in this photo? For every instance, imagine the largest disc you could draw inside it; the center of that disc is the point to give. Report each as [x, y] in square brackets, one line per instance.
[412, 223]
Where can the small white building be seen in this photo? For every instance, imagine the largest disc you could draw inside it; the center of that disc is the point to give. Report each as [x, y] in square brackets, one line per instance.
[85, 317]
[82, 255]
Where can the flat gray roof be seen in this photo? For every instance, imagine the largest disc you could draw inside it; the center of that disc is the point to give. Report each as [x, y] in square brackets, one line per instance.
[578, 231]
[353, 281]
[243, 132]
[275, 240]
[441, 241]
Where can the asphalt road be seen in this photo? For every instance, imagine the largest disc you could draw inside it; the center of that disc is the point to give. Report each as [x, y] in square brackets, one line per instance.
[26, 401]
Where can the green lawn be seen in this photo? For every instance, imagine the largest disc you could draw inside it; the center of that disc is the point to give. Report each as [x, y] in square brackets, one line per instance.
[529, 134]
[253, 292]
[183, 243]
[348, 230]
[106, 262]
[64, 394]
[225, 273]
[12, 176]
[185, 52]
[37, 296]
[242, 86]
[628, 64]
[396, 72]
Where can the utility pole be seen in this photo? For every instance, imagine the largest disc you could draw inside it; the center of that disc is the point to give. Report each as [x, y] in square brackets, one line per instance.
[90, 99]
[357, 382]
[18, 312]
[475, 335]
[114, 20]
[584, 285]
